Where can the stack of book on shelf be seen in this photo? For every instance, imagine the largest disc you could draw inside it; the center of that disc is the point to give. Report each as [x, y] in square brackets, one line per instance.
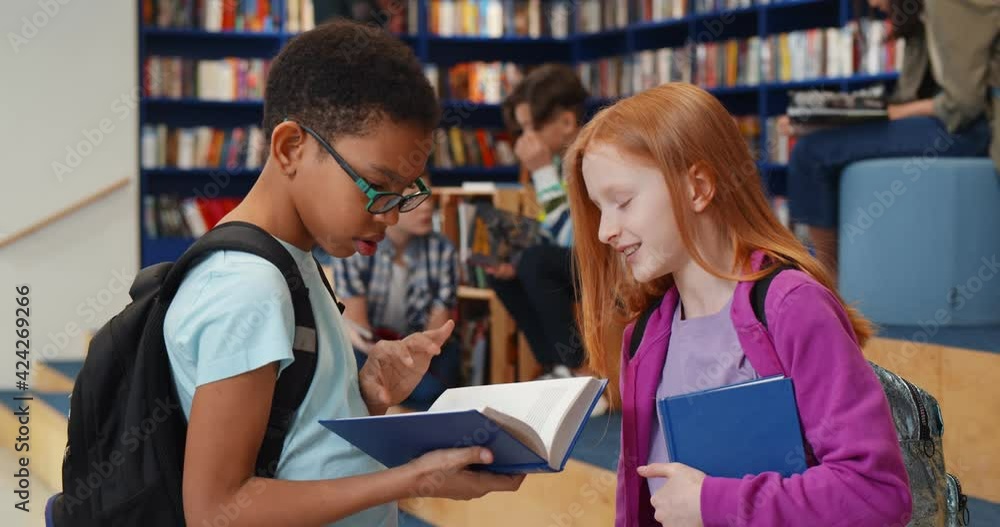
[728, 63]
[480, 82]
[593, 16]
[608, 77]
[750, 130]
[657, 10]
[858, 47]
[619, 76]
[229, 79]
[779, 145]
[787, 57]
[879, 55]
[170, 216]
[474, 336]
[202, 147]
[300, 15]
[457, 147]
[499, 18]
[216, 15]
[712, 6]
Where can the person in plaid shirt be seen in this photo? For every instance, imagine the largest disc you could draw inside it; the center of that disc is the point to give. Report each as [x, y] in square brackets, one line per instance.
[408, 286]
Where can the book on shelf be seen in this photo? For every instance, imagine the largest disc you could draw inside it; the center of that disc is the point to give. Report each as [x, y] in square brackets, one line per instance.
[229, 79]
[813, 54]
[499, 18]
[214, 15]
[171, 216]
[202, 147]
[749, 126]
[473, 333]
[479, 147]
[593, 16]
[619, 76]
[478, 82]
[779, 145]
[529, 426]
[714, 6]
[859, 47]
[300, 15]
[499, 235]
[736, 430]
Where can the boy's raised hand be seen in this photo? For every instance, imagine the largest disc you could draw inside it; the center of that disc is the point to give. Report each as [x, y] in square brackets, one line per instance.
[531, 151]
[395, 367]
[446, 474]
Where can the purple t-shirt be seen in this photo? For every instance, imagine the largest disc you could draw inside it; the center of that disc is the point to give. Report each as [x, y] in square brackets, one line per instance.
[704, 353]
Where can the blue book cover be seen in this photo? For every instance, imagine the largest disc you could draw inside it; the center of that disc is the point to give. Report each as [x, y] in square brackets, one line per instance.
[735, 430]
[529, 426]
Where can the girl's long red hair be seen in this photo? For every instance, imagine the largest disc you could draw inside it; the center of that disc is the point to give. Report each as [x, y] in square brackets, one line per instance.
[676, 126]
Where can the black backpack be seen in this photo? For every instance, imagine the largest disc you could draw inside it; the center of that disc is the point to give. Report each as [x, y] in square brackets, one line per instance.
[937, 495]
[125, 452]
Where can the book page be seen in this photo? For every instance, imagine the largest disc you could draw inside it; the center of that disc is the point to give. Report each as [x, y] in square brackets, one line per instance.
[571, 422]
[542, 405]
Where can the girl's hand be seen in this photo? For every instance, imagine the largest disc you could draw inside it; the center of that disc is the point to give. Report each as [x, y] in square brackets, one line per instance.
[445, 474]
[678, 502]
[394, 367]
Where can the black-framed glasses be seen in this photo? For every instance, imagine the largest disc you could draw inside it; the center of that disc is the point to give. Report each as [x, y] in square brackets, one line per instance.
[379, 202]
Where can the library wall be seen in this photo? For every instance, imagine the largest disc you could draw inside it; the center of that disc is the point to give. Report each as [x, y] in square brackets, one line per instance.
[69, 133]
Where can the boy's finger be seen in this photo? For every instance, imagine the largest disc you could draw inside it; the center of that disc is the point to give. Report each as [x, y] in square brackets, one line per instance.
[475, 455]
[441, 334]
[419, 342]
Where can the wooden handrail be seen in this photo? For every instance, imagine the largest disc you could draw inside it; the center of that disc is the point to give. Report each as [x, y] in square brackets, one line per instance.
[52, 218]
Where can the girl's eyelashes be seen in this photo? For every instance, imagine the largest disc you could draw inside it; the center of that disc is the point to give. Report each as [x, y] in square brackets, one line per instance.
[624, 204]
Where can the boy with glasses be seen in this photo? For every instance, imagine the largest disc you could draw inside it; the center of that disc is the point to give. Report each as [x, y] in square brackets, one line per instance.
[349, 115]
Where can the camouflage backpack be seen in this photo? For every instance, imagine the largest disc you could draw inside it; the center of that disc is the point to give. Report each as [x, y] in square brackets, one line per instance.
[937, 495]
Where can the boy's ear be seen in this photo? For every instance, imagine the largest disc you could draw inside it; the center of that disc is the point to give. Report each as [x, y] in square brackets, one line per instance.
[701, 186]
[287, 142]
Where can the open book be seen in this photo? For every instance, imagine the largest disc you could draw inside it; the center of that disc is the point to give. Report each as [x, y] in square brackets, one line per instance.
[499, 234]
[529, 426]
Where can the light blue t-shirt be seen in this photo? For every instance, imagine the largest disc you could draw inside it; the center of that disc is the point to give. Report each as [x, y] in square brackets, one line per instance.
[233, 314]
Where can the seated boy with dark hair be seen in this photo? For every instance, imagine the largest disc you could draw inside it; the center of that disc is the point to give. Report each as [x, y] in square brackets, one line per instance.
[538, 289]
[409, 286]
[349, 116]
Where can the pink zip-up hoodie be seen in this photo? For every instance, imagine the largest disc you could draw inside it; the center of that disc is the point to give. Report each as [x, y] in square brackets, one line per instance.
[856, 475]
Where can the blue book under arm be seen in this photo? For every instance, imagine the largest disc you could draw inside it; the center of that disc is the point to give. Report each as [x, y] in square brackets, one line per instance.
[736, 430]
[529, 426]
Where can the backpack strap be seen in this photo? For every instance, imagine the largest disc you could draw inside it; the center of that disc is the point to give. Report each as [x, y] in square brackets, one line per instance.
[293, 384]
[640, 327]
[758, 293]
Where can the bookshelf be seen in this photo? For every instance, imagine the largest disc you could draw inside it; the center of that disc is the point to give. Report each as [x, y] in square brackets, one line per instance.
[764, 99]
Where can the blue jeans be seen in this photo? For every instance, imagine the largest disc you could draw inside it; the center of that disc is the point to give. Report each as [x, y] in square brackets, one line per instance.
[818, 158]
[444, 372]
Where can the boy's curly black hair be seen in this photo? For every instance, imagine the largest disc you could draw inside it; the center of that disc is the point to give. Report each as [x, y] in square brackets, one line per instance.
[343, 78]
